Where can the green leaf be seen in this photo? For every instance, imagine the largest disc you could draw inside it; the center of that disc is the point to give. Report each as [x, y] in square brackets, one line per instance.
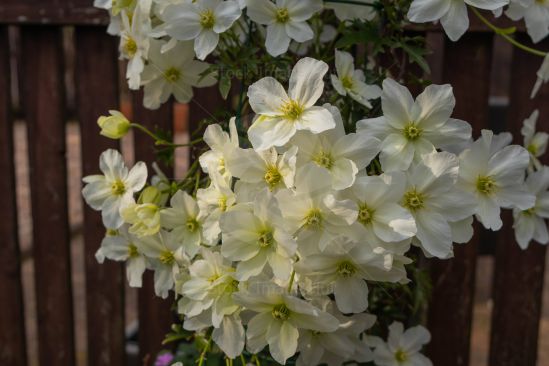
[224, 86]
[416, 55]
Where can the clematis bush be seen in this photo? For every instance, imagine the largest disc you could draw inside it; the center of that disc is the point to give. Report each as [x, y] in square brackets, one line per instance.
[298, 233]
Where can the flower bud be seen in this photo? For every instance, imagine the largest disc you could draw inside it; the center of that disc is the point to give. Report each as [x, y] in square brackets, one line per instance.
[114, 126]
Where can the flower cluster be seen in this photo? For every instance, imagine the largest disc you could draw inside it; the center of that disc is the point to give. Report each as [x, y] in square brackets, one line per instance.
[295, 215]
[280, 247]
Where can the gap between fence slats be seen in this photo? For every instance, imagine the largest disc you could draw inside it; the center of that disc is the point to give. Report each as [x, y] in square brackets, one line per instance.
[96, 93]
[12, 333]
[155, 315]
[518, 279]
[450, 312]
[44, 111]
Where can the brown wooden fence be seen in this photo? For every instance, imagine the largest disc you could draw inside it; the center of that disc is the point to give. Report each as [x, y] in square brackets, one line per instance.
[466, 65]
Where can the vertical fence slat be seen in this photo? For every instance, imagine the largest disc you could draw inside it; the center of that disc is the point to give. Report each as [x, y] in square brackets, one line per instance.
[155, 316]
[518, 278]
[467, 68]
[12, 333]
[45, 115]
[96, 93]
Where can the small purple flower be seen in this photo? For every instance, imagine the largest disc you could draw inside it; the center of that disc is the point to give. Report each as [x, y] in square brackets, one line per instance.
[164, 359]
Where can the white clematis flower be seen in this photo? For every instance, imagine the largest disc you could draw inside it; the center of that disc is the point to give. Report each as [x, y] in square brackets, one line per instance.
[410, 129]
[221, 144]
[285, 20]
[380, 217]
[345, 12]
[535, 14]
[254, 235]
[166, 258]
[495, 177]
[543, 76]
[530, 224]
[278, 320]
[402, 347]
[280, 115]
[534, 142]
[264, 169]
[135, 40]
[185, 221]
[343, 156]
[120, 246]
[435, 202]
[334, 348]
[312, 212]
[202, 21]
[451, 13]
[113, 191]
[213, 201]
[349, 81]
[174, 72]
[344, 268]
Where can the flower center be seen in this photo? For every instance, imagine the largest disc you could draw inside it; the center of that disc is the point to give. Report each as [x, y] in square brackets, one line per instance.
[313, 218]
[533, 149]
[413, 200]
[111, 232]
[365, 214]
[281, 312]
[324, 159]
[346, 269]
[118, 188]
[167, 257]
[412, 132]
[400, 356]
[292, 110]
[222, 203]
[347, 82]
[265, 239]
[132, 250]
[192, 225]
[530, 212]
[207, 19]
[272, 176]
[282, 15]
[486, 185]
[130, 47]
[172, 74]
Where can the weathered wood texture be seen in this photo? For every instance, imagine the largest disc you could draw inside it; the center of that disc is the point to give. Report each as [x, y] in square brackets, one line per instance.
[450, 312]
[518, 281]
[155, 316]
[69, 12]
[96, 93]
[12, 318]
[44, 112]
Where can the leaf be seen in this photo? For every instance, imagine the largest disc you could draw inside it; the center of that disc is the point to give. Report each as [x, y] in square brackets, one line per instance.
[416, 55]
[224, 86]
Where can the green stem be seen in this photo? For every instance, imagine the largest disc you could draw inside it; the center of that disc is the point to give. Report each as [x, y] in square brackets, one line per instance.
[160, 141]
[505, 34]
[204, 351]
[291, 281]
[242, 359]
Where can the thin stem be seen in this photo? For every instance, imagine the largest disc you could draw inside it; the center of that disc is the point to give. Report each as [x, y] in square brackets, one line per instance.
[160, 141]
[242, 359]
[204, 351]
[291, 281]
[505, 34]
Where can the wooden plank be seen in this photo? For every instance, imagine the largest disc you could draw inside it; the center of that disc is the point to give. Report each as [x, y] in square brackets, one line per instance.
[518, 278]
[96, 93]
[155, 315]
[467, 65]
[66, 12]
[12, 333]
[44, 111]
